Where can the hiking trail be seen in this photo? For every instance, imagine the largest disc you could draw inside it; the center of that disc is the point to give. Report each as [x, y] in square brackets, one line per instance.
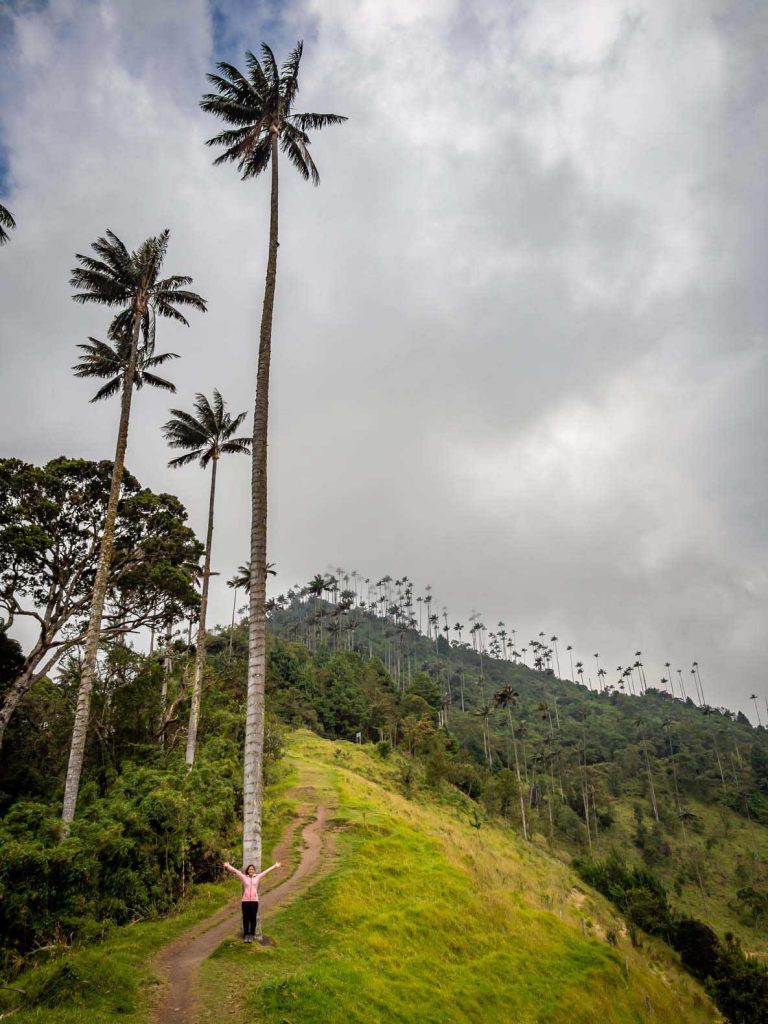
[177, 963]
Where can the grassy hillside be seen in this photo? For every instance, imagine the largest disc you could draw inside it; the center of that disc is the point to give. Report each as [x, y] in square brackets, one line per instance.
[592, 763]
[432, 914]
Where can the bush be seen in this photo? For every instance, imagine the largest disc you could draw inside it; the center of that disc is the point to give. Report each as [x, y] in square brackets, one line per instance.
[636, 892]
[698, 946]
[131, 855]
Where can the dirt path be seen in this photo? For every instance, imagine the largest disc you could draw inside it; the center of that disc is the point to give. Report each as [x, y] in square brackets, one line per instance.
[177, 964]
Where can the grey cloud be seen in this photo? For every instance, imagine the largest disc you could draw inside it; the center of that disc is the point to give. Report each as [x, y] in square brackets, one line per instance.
[536, 220]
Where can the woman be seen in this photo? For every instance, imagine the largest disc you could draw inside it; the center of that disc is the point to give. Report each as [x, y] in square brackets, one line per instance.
[250, 898]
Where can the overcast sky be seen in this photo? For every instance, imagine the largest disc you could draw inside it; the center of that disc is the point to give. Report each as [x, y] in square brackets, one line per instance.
[519, 349]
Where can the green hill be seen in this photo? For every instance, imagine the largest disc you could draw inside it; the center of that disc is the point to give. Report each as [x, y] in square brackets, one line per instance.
[427, 918]
[678, 788]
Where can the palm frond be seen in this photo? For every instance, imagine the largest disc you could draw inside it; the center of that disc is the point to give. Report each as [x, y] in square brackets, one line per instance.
[293, 145]
[234, 424]
[313, 122]
[271, 71]
[159, 360]
[237, 446]
[184, 460]
[166, 309]
[7, 223]
[187, 419]
[109, 389]
[233, 78]
[218, 407]
[99, 360]
[154, 382]
[256, 72]
[290, 76]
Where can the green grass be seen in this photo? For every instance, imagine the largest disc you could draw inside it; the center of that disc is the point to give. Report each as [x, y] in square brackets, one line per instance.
[113, 979]
[427, 919]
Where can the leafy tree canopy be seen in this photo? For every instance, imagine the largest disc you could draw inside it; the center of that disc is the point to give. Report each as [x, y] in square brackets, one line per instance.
[50, 527]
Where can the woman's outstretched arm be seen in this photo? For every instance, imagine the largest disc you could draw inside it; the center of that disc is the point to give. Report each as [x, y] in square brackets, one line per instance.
[266, 872]
[234, 871]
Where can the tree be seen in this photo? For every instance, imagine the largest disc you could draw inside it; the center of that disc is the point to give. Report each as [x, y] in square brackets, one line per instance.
[131, 281]
[424, 686]
[259, 110]
[753, 698]
[507, 698]
[111, 361]
[7, 223]
[50, 531]
[640, 725]
[207, 436]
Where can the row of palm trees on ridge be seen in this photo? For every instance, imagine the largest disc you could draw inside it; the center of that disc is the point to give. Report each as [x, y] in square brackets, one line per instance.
[392, 601]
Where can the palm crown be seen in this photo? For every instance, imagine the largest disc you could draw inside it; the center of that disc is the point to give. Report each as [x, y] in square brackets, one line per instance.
[242, 578]
[207, 435]
[259, 106]
[102, 360]
[132, 280]
[6, 222]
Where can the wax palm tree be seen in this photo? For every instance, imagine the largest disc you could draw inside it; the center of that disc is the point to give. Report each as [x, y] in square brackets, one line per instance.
[640, 726]
[697, 674]
[668, 667]
[7, 223]
[682, 687]
[131, 282]
[753, 698]
[206, 435]
[258, 110]
[102, 360]
[242, 578]
[484, 712]
[506, 698]
[237, 582]
[553, 641]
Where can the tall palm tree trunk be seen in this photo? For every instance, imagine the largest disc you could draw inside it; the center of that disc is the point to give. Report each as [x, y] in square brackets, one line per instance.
[654, 805]
[232, 628]
[253, 780]
[91, 646]
[197, 684]
[523, 821]
[167, 669]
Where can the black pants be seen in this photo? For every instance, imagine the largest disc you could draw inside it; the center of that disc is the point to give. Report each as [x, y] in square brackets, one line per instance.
[250, 913]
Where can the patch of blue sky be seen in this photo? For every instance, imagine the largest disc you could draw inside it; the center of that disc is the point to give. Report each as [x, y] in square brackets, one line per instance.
[5, 171]
[7, 10]
[240, 25]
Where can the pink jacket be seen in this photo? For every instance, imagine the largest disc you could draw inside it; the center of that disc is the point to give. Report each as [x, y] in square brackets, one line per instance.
[250, 883]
